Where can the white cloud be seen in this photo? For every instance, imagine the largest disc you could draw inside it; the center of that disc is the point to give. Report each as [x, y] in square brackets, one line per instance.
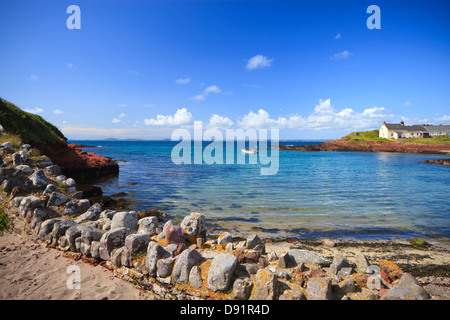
[183, 80]
[180, 118]
[121, 115]
[443, 118]
[407, 104]
[69, 65]
[219, 122]
[33, 77]
[341, 55]
[35, 110]
[338, 36]
[324, 117]
[115, 120]
[206, 92]
[57, 111]
[258, 61]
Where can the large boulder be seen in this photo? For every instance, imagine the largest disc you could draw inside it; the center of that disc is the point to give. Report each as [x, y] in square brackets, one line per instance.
[134, 243]
[148, 225]
[308, 257]
[29, 203]
[319, 289]
[39, 179]
[125, 219]
[155, 252]
[174, 234]
[221, 271]
[111, 240]
[186, 260]
[57, 199]
[194, 226]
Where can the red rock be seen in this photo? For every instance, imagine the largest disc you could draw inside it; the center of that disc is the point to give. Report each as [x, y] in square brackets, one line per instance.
[174, 234]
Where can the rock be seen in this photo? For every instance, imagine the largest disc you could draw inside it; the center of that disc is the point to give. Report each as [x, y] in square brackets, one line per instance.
[148, 225]
[194, 226]
[89, 235]
[70, 208]
[16, 201]
[285, 260]
[7, 145]
[328, 243]
[155, 252]
[389, 271]
[95, 249]
[60, 178]
[57, 199]
[339, 261]
[347, 285]
[292, 295]
[24, 169]
[308, 257]
[111, 240]
[23, 155]
[373, 269]
[26, 147]
[174, 234]
[134, 243]
[9, 184]
[39, 179]
[59, 230]
[374, 282]
[221, 272]
[242, 289]
[407, 280]
[37, 216]
[92, 213]
[224, 238]
[109, 214]
[195, 278]
[402, 293]
[186, 260]
[54, 170]
[319, 289]
[164, 267]
[84, 205]
[125, 219]
[116, 256]
[46, 228]
[265, 286]
[17, 159]
[29, 203]
[253, 241]
[70, 183]
[362, 264]
[42, 163]
[438, 291]
[49, 189]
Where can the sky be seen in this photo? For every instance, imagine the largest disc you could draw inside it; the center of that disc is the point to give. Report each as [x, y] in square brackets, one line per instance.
[141, 69]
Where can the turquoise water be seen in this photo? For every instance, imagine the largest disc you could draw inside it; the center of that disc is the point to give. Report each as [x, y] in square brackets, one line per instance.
[314, 194]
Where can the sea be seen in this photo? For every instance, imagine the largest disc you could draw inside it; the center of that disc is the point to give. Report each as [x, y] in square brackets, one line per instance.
[312, 195]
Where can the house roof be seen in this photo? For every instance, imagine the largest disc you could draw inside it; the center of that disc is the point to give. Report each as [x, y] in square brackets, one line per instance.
[401, 127]
[437, 128]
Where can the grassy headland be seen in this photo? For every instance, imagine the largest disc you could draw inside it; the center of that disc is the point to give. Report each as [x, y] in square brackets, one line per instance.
[365, 136]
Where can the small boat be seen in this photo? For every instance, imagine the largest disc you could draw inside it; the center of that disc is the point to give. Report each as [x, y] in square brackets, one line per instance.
[254, 150]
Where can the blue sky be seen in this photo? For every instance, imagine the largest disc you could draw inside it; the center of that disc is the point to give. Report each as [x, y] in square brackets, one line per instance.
[140, 69]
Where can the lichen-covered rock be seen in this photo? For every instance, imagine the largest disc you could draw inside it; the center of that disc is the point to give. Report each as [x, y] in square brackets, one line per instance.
[29, 203]
[225, 238]
[398, 292]
[134, 243]
[339, 262]
[46, 228]
[154, 252]
[308, 257]
[407, 280]
[111, 240]
[242, 289]
[194, 226]
[195, 278]
[88, 235]
[39, 179]
[92, 213]
[57, 199]
[265, 285]
[186, 260]
[362, 264]
[148, 225]
[319, 289]
[221, 272]
[59, 229]
[125, 219]
[164, 267]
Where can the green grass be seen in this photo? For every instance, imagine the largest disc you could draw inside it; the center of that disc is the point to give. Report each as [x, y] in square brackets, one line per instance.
[4, 221]
[363, 136]
[29, 128]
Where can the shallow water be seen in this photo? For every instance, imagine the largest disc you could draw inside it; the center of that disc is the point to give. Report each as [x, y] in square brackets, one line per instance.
[314, 194]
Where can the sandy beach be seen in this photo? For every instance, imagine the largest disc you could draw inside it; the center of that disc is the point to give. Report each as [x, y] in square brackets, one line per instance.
[30, 271]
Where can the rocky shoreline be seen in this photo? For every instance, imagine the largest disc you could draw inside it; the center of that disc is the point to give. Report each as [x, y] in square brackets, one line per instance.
[182, 261]
[373, 146]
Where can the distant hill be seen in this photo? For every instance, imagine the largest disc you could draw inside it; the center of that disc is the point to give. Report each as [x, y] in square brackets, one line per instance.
[31, 128]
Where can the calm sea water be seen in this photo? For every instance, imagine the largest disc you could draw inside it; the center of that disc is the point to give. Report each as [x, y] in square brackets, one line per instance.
[314, 194]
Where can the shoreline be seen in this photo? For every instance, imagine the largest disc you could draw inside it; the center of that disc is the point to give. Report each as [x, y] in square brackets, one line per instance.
[186, 260]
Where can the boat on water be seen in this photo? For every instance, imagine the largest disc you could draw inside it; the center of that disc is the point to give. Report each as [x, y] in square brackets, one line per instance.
[254, 150]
